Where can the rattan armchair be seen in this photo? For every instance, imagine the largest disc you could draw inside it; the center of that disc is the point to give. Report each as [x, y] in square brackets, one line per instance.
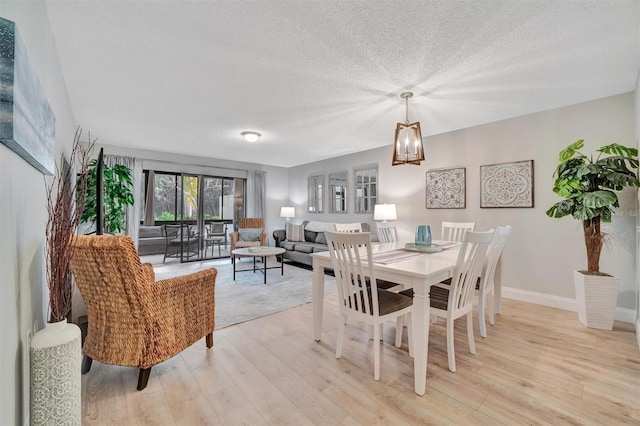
[134, 320]
[248, 222]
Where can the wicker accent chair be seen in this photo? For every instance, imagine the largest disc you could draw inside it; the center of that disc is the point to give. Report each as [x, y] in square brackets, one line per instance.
[134, 320]
[248, 222]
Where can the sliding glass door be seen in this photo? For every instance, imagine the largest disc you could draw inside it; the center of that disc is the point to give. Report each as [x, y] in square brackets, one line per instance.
[204, 208]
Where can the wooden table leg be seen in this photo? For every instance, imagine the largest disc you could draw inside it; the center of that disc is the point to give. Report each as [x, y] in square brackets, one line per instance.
[421, 321]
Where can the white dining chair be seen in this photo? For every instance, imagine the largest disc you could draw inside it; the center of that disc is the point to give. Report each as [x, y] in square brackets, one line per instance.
[347, 227]
[359, 297]
[454, 231]
[387, 232]
[456, 300]
[485, 287]
[357, 227]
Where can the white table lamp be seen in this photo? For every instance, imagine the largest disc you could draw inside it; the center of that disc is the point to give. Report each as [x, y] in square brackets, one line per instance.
[384, 212]
[287, 213]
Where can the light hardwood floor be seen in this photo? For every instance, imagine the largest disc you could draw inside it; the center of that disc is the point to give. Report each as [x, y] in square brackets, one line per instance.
[538, 365]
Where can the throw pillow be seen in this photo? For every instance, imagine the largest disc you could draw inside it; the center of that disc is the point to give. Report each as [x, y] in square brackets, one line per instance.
[321, 238]
[310, 236]
[295, 232]
[250, 234]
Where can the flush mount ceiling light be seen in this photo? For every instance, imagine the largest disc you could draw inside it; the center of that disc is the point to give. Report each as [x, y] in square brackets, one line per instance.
[250, 136]
[407, 147]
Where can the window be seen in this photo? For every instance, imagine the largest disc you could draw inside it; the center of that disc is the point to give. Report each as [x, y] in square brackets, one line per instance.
[338, 192]
[218, 198]
[165, 190]
[316, 194]
[366, 187]
[190, 193]
[187, 197]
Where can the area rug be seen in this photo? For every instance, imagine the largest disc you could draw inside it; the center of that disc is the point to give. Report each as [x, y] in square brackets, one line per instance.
[248, 297]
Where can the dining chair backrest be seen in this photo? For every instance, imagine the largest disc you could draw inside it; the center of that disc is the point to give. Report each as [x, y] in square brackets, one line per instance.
[387, 232]
[176, 232]
[468, 269]
[495, 250]
[216, 229]
[347, 227]
[455, 231]
[348, 251]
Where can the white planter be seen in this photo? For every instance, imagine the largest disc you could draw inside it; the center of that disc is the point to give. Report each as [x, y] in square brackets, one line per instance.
[55, 375]
[596, 298]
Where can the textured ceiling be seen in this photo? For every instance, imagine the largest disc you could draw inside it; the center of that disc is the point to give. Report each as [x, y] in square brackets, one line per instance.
[321, 79]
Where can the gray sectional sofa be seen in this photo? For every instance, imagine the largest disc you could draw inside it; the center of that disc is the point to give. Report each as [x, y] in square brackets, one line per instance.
[300, 251]
[151, 240]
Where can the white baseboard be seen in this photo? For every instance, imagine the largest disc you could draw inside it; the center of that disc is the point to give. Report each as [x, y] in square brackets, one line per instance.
[622, 314]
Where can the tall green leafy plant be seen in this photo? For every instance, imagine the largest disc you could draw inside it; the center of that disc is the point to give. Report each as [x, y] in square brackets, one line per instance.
[588, 186]
[117, 196]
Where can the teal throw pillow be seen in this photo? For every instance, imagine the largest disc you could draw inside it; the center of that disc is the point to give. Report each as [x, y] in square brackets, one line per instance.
[250, 234]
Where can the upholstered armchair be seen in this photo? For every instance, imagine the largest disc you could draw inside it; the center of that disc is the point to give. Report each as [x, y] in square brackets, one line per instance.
[240, 239]
[134, 320]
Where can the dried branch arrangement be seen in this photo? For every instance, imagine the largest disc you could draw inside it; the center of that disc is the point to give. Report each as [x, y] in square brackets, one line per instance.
[65, 203]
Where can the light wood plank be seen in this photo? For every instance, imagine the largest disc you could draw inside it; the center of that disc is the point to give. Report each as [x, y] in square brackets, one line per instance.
[538, 365]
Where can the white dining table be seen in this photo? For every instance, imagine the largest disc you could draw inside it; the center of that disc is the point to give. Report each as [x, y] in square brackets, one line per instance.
[419, 272]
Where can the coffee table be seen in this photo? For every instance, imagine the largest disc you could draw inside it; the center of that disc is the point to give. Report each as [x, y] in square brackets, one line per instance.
[261, 252]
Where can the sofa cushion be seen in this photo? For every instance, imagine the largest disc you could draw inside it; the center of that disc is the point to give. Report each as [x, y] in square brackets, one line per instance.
[310, 248]
[245, 244]
[288, 245]
[149, 231]
[151, 241]
[295, 232]
[250, 234]
[321, 238]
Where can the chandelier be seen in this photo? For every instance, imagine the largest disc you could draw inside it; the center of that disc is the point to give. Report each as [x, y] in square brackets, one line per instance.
[407, 147]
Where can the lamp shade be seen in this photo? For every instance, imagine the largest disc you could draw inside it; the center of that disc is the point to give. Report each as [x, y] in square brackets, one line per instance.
[287, 212]
[384, 212]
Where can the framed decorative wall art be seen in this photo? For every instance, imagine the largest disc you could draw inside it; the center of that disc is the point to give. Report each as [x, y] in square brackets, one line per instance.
[446, 189]
[27, 123]
[507, 185]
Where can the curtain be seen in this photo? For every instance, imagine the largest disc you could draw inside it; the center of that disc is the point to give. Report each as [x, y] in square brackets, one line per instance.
[148, 205]
[132, 213]
[256, 188]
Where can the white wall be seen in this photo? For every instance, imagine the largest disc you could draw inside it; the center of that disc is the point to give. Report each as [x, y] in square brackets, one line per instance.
[542, 252]
[23, 294]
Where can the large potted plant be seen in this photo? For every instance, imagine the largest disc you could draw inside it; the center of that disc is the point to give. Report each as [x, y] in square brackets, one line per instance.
[117, 195]
[588, 186]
